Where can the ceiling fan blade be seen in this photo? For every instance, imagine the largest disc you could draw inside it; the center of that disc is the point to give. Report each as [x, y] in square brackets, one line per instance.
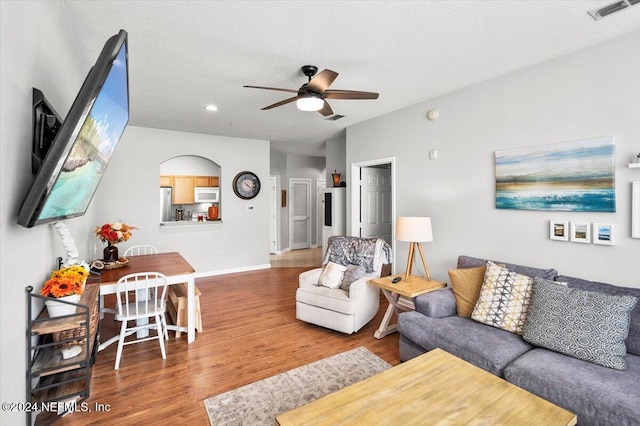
[326, 109]
[321, 82]
[272, 88]
[277, 104]
[349, 94]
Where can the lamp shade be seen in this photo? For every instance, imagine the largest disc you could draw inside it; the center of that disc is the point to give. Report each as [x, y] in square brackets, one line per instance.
[414, 229]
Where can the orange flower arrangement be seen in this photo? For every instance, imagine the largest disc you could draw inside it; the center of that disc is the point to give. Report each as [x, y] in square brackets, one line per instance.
[66, 281]
[114, 233]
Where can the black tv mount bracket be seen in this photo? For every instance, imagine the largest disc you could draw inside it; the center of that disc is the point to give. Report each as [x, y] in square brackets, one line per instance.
[46, 123]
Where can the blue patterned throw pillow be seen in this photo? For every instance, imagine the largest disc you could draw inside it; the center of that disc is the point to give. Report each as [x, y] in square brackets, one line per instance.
[582, 324]
[504, 299]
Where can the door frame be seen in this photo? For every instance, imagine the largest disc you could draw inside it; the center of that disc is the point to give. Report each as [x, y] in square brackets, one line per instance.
[309, 210]
[274, 226]
[320, 209]
[355, 199]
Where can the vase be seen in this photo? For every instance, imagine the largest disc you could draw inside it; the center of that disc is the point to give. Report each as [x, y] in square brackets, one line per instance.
[58, 309]
[110, 253]
[213, 212]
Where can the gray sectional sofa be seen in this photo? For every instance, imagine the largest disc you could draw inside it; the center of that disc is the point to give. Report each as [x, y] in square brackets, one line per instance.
[597, 394]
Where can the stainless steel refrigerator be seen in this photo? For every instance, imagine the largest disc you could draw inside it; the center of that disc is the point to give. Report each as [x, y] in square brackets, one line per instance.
[165, 204]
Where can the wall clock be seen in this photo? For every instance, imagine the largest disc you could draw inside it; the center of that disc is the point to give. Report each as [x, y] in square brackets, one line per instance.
[246, 185]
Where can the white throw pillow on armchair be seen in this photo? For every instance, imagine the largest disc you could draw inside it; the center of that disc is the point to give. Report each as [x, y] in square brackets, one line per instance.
[332, 275]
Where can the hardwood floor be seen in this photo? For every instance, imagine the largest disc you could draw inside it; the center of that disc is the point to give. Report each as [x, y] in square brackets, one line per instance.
[250, 333]
[305, 257]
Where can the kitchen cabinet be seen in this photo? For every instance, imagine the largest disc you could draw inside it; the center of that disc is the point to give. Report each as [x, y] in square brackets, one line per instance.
[51, 378]
[208, 181]
[183, 189]
[184, 186]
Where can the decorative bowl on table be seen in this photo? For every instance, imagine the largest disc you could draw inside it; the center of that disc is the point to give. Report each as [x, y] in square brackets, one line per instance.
[123, 261]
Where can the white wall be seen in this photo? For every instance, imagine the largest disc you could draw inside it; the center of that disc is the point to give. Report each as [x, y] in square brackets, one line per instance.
[37, 50]
[129, 192]
[336, 152]
[583, 95]
[189, 164]
[278, 163]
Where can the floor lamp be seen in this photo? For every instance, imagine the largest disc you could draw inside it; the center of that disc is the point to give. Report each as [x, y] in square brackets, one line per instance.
[414, 230]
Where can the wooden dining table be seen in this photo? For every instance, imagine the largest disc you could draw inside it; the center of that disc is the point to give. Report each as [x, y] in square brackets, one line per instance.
[172, 265]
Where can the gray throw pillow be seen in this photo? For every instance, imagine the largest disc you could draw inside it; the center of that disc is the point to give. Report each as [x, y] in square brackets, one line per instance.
[582, 324]
[352, 274]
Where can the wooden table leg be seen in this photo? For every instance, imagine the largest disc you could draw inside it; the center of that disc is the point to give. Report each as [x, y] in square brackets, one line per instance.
[191, 309]
[385, 328]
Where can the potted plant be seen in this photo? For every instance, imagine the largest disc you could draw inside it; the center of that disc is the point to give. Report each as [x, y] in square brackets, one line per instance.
[112, 234]
[65, 284]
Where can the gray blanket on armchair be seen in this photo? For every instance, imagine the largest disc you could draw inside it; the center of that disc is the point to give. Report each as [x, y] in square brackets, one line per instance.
[357, 251]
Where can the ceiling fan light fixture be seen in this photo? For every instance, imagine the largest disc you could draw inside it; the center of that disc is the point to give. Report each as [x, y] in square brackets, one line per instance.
[310, 102]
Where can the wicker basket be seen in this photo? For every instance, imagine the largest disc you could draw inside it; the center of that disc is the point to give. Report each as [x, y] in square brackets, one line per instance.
[75, 333]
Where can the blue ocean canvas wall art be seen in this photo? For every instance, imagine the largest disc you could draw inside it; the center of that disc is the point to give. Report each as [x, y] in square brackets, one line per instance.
[576, 176]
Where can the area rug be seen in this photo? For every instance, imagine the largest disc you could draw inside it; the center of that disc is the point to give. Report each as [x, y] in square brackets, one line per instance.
[259, 403]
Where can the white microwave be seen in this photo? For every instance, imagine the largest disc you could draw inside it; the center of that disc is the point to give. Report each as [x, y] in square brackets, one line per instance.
[207, 194]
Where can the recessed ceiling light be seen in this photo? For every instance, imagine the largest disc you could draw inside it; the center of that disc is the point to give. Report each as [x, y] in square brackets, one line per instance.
[211, 107]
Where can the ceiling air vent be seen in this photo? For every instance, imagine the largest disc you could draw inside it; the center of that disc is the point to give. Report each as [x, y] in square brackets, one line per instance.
[339, 116]
[612, 8]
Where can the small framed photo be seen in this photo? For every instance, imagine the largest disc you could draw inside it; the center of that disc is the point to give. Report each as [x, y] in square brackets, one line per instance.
[604, 233]
[580, 232]
[558, 230]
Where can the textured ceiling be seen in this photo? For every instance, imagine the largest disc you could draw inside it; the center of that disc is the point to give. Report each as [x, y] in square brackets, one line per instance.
[185, 54]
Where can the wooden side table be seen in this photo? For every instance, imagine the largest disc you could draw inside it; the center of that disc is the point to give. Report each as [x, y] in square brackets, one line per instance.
[412, 288]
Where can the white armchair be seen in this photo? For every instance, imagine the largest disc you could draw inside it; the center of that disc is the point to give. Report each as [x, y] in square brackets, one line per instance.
[339, 309]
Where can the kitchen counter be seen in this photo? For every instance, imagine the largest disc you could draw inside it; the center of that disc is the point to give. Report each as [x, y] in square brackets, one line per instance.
[189, 223]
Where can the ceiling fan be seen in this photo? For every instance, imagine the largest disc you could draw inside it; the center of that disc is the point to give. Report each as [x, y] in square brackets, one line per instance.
[312, 95]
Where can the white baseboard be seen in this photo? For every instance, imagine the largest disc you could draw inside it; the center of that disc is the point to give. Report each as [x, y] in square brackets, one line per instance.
[231, 270]
[283, 251]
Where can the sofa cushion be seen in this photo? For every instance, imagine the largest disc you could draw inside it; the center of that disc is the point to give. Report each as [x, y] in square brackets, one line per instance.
[336, 300]
[351, 275]
[633, 340]
[466, 284]
[469, 262]
[504, 299]
[583, 324]
[332, 275]
[436, 304]
[598, 395]
[487, 347]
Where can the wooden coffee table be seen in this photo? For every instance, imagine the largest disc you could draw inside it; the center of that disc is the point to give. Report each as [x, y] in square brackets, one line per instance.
[434, 388]
[414, 287]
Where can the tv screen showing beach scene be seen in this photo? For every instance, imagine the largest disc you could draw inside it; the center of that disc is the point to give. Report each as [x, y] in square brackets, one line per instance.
[94, 145]
[576, 176]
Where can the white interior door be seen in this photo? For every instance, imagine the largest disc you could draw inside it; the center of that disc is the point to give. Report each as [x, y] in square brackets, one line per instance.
[375, 204]
[321, 185]
[300, 213]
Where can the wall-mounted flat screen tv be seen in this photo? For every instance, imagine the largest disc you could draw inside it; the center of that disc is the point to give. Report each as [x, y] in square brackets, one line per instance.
[84, 143]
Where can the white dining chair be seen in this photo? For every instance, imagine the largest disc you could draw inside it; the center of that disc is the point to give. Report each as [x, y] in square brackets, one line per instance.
[139, 250]
[152, 286]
